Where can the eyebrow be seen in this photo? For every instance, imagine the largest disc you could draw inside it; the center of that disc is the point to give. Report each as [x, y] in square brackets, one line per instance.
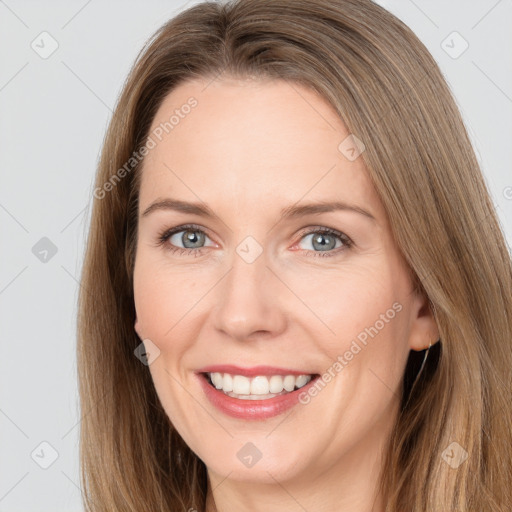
[293, 211]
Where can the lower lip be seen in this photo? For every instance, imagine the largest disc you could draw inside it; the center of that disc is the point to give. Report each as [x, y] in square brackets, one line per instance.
[252, 409]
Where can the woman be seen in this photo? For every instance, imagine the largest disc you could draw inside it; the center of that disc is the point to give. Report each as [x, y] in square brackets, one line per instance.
[296, 294]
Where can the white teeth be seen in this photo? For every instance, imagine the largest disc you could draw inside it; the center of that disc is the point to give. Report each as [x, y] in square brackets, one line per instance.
[257, 388]
[276, 384]
[217, 380]
[289, 383]
[301, 380]
[241, 385]
[227, 384]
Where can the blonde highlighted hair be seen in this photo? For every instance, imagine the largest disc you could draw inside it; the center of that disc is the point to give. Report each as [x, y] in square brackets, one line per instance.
[390, 93]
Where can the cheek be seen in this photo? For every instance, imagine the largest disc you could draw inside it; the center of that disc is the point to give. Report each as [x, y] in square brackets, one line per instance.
[359, 320]
[347, 300]
[162, 297]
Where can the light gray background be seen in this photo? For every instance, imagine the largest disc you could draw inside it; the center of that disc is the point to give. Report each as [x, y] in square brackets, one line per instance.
[53, 116]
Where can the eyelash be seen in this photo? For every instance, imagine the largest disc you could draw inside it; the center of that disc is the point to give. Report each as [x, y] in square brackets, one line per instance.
[164, 236]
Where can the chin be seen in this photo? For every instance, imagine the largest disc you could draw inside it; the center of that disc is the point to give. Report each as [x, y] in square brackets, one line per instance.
[257, 458]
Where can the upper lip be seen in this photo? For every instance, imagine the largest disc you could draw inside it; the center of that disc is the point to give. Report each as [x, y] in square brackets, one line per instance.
[252, 371]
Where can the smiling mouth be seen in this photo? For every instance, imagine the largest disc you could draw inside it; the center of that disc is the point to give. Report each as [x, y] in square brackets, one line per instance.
[260, 387]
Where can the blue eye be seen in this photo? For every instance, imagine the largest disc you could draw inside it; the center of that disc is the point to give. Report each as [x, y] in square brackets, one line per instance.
[325, 239]
[192, 237]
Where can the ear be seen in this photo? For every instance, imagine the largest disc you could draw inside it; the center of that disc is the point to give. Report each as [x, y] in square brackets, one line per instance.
[137, 328]
[424, 328]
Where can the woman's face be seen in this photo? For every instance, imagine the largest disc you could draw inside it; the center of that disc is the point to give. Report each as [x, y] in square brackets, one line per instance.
[258, 283]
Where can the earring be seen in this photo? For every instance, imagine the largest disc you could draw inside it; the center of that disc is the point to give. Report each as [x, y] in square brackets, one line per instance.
[424, 360]
[422, 364]
[418, 374]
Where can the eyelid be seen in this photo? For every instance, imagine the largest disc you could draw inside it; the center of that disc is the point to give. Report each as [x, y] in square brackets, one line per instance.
[322, 229]
[312, 229]
[184, 227]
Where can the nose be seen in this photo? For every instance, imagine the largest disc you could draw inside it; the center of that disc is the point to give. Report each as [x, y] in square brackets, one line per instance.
[250, 301]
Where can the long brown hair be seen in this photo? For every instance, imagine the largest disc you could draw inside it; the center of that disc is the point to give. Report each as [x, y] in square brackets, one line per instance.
[390, 93]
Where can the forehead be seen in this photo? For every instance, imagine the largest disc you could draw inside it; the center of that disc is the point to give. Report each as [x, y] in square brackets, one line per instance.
[249, 139]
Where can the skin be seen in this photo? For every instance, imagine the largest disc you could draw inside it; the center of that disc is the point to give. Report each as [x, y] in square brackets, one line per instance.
[249, 149]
